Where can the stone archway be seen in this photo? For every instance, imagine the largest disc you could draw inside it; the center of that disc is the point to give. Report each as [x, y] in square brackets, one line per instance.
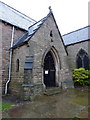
[51, 67]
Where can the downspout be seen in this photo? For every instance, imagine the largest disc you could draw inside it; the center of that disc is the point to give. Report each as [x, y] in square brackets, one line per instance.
[10, 63]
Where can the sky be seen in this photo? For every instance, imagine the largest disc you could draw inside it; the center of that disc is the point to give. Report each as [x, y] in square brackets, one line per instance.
[70, 15]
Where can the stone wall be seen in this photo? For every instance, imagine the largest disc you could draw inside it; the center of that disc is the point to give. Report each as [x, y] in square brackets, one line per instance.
[17, 77]
[6, 43]
[41, 43]
[38, 46]
[73, 51]
[0, 60]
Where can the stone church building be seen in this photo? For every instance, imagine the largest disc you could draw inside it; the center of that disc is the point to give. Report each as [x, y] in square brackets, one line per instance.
[35, 56]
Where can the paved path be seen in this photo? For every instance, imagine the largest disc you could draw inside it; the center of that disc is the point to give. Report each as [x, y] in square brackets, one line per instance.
[68, 104]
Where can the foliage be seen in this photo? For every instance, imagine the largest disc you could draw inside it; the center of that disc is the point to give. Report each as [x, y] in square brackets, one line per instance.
[81, 77]
[75, 118]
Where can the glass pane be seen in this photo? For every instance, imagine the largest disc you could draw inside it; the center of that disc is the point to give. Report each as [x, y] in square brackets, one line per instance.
[86, 62]
[81, 52]
[79, 62]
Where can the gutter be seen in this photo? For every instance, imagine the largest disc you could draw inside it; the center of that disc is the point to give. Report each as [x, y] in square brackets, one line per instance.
[10, 63]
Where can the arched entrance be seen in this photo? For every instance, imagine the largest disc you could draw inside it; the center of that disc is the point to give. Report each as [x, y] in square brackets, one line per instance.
[49, 70]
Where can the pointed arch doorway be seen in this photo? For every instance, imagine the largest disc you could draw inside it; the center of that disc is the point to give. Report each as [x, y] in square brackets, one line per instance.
[49, 70]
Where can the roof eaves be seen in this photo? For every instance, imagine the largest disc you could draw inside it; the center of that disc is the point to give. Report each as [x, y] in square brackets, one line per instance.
[69, 44]
[16, 18]
[13, 25]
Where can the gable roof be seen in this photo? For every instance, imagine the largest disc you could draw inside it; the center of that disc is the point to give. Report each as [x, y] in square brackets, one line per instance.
[77, 36]
[14, 17]
[31, 31]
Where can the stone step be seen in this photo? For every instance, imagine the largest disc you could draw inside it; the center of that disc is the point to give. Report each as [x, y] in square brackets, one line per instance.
[52, 91]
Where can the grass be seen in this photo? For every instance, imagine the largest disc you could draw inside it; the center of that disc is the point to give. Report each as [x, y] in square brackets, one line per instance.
[5, 106]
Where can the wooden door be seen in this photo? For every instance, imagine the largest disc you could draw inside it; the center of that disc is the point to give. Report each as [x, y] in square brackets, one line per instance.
[49, 71]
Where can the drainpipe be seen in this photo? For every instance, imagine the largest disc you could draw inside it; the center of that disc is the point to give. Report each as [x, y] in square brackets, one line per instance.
[10, 63]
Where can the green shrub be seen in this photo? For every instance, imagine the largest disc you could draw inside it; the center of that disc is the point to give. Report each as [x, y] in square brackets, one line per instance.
[81, 77]
[75, 118]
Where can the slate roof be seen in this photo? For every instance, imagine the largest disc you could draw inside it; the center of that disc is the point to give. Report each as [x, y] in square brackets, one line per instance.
[77, 36]
[31, 31]
[14, 17]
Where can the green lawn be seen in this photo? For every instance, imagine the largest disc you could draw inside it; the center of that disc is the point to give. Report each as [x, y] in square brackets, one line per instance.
[5, 106]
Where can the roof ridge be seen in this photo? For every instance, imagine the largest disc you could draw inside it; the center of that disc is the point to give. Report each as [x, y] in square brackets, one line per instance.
[41, 19]
[76, 30]
[18, 12]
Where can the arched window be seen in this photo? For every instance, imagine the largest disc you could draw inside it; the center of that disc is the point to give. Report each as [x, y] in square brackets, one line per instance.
[17, 65]
[51, 35]
[82, 60]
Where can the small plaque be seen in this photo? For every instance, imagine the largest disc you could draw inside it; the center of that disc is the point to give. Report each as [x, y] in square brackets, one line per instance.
[46, 71]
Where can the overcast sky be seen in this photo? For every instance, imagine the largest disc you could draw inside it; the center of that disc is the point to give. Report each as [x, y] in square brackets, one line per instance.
[70, 15]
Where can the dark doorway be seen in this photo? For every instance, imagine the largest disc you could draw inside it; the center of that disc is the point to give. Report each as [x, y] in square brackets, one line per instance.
[49, 71]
